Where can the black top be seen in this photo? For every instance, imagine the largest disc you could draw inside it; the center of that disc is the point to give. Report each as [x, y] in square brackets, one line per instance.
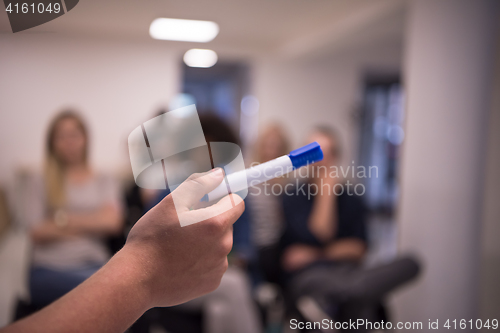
[297, 209]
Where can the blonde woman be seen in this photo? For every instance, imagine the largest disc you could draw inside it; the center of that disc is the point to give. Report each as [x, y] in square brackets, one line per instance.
[265, 207]
[71, 210]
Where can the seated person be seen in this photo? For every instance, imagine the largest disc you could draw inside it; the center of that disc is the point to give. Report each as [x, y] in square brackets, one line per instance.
[230, 307]
[266, 209]
[322, 228]
[162, 264]
[325, 241]
[71, 211]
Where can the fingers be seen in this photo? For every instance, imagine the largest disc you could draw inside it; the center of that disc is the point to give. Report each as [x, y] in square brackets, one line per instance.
[237, 207]
[222, 214]
[225, 210]
[195, 187]
[227, 242]
[189, 193]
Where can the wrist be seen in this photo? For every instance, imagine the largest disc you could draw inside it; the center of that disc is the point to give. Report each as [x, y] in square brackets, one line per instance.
[129, 269]
[331, 251]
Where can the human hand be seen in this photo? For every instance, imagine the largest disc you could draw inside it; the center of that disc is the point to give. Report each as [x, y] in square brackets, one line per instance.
[181, 263]
[162, 264]
[298, 256]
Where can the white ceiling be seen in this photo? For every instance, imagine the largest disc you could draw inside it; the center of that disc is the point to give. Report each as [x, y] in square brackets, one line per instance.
[286, 27]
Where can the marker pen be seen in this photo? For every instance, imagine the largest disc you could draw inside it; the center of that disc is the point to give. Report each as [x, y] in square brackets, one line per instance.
[278, 167]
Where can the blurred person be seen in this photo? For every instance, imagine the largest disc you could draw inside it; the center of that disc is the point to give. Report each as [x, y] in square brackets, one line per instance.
[266, 208]
[217, 130]
[325, 242]
[162, 264]
[137, 200]
[71, 210]
[313, 224]
[230, 308]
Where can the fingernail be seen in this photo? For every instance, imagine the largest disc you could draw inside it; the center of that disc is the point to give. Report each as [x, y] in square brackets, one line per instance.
[217, 172]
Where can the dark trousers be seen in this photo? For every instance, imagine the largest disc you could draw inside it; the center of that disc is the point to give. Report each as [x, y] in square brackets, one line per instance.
[346, 291]
[47, 285]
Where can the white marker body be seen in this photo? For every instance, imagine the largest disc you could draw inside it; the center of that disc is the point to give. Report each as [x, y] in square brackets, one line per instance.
[252, 176]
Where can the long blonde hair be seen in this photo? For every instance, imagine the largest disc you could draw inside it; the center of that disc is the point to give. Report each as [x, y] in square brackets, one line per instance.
[54, 167]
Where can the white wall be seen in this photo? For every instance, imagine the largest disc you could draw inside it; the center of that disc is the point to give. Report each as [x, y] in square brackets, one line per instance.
[119, 84]
[301, 94]
[490, 258]
[116, 85]
[448, 66]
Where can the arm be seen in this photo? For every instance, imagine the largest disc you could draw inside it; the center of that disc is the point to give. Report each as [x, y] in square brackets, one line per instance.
[48, 231]
[346, 249]
[352, 242]
[162, 264]
[41, 229]
[111, 300]
[300, 255]
[297, 256]
[320, 224]
[323, 219]
[106, 221]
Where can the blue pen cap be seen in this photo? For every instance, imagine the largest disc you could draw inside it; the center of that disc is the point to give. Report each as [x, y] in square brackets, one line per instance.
[306, 155]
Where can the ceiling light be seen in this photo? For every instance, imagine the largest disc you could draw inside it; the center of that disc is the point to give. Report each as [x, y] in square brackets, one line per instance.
[200, 58]
[183, 30]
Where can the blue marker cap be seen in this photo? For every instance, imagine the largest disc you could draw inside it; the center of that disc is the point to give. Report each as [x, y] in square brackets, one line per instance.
[306, 155]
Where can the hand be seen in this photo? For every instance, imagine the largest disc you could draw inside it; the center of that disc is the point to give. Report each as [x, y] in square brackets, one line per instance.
[352, 249]
[48, 232]
[298, 256]
[182, 263]
[162, 264]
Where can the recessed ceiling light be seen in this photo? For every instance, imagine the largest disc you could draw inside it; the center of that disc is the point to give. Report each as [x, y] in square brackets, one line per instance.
[200, 58]
[183, 30]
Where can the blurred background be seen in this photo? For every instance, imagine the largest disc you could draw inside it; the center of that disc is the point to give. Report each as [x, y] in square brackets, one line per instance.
[413, 87]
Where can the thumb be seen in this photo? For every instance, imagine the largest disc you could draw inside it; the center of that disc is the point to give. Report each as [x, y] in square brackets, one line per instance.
[195, 187]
